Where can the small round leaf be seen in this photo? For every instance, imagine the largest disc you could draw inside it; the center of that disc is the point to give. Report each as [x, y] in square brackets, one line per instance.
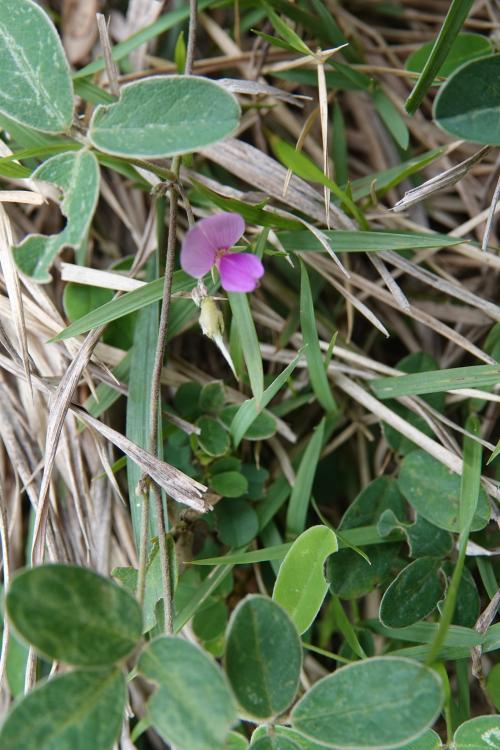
[74, 615]
[263, 657]
[82, 709]
[237, 522]
[465, 48]
[414, 594]
[164, 116]
[383, 702]
[434, 492]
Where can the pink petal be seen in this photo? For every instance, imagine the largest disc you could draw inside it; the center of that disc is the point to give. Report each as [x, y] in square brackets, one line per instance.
[239, 272]
[197, 254]
[205, 238]
[223, 230]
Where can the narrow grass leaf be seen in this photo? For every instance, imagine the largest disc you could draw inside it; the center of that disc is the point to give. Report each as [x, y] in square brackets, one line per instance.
[455, 19]
[317, 374]
[477, 376]
[242, 316]
[469, 502]
[301, 492]
[250, 410]
[346, 241]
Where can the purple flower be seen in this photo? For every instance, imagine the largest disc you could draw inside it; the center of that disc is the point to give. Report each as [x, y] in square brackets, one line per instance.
[207, 244]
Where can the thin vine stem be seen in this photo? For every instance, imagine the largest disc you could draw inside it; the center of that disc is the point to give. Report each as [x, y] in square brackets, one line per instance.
[157, 368]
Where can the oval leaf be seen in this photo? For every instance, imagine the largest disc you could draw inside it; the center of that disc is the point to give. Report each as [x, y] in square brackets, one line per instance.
[39, 91]
[263, 657]
[164, 116]
[276, 742]
[74, 615]
[434, 492]
[382, 702]
[301, 587]
[83, 705]
[77, 174]
[414, 594]
[193, 706]
[465, 48]
[481, 733]
[237, 522]
[468, 110]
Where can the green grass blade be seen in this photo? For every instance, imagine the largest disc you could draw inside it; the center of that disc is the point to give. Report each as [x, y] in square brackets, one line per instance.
[455, 19]
[417, 384]
[469, 494]
[301, 492]
[317, 374]
[249, 410]
[129, 302]
[249, 342]
[346, 241]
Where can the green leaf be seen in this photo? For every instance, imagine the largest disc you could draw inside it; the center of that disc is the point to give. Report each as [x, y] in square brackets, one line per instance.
[434, 492]
[301, 492]
[468, 503]
[301, 587]
[192, 706]
[73, 615]
[213, 438]
[349, 574]
[466, 47]
[229, 483]
[414, 594]
[467, 110]
[210, 620]
[128, 303]
[346, 241]
[242, 316]
[39, 92]
[477, 376]
[236, 741]
[493, 685]
[455, 19]
[425, 539]
[82, 708]
[263, 657]
[317, 374]
[237, 522]
[282, 732]
[286, 32]
[250, 410]
[77, 174]
[391, 118]
[212, 397]
[274, 742]
[480, 733]
[304, 167]
[164, 116]
[381, 702]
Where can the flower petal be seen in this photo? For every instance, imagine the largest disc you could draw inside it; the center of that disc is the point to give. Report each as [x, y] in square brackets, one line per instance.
[222, 230]
[197, 252]
[239, 272]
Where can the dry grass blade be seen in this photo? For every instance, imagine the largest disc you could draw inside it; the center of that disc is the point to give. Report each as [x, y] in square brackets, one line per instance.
[491, 216]
[257, 88]
[4, 540]
[102, 279]
[443, 180]
[11, 278]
